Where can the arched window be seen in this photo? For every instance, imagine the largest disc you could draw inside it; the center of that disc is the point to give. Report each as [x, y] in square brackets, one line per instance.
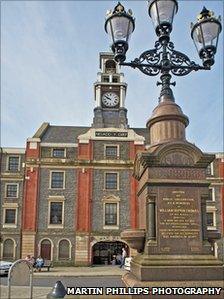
[8, 249]
[63, 250]
[110, 66]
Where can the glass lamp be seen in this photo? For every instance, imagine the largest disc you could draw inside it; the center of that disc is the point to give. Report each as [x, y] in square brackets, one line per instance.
[205, 33]
[162, 13]
[119, 25]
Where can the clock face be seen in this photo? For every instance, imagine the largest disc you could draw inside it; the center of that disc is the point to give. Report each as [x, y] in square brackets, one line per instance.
[110, 99]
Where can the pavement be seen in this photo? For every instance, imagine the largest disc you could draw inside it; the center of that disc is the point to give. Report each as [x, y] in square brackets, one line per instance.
[81, 271]
[22, 292]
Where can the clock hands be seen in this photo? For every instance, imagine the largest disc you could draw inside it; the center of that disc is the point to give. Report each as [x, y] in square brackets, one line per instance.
[107, 97]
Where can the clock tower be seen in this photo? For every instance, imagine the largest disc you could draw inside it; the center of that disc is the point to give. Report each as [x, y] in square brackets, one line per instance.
[110, 91]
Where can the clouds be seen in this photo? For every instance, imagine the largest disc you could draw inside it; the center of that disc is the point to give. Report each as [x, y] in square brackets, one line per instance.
[50, 56]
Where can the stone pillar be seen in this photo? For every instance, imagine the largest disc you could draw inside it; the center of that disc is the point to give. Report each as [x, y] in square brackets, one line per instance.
[98, 96]
[151, 218]
[203, 218]
[82, 247]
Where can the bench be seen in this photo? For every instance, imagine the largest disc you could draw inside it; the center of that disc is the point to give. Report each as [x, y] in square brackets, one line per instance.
[47, 264]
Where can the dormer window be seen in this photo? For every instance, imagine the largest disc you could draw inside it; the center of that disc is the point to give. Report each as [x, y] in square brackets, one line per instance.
[58, 153]
[110, 66]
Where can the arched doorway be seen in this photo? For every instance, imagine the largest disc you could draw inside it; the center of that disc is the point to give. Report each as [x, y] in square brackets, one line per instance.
[105, 253]
[45, 249]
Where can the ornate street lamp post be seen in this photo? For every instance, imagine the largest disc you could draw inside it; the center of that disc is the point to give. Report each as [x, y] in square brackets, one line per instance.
[163, 58]
[172, 237]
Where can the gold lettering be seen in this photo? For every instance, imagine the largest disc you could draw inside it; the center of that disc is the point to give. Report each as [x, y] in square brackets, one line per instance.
[179, 217]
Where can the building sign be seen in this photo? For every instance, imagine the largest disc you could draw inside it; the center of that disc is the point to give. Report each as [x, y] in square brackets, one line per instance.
[111, 134]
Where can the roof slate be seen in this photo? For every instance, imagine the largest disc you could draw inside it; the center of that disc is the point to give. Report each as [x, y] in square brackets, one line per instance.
[63, 134]
[69, 134]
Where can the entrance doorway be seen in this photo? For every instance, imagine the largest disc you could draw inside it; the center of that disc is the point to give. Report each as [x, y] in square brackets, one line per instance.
[45, 249]
[106, 253]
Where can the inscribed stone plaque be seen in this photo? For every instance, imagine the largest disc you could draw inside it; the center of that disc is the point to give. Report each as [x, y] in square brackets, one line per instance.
[179, 221]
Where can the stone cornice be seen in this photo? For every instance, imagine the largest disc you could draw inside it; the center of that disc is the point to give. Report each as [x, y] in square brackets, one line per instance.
[173, 182]
[33, 139]
[79, 163]
[10, 176]
[13, 150]
[154, 157]
[61, 145]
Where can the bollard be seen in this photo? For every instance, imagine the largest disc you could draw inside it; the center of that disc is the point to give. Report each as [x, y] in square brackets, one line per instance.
[58, 291]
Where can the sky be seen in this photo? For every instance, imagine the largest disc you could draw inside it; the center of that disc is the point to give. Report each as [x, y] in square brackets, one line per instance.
[50, 59]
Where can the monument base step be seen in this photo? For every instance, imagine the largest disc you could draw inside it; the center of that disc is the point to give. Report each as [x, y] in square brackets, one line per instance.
[177, 267]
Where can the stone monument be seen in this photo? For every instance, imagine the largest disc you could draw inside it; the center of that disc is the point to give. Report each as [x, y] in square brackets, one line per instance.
[172, 240]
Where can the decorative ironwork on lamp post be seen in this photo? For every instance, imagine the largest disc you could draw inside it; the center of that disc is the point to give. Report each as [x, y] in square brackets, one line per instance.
[163, 58]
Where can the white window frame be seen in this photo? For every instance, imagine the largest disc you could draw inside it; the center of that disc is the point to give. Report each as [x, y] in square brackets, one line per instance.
[59, 199]
[112, 145]
[8, 207]
[212, 168]
[70, 249]
[118, 181]
[213, 211]
[108, 200]
[58, 148]
[7, 163]
[51, 180]
[17, 193]
[213, 194]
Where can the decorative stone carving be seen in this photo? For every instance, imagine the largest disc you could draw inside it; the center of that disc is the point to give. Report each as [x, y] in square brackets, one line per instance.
[177, 158]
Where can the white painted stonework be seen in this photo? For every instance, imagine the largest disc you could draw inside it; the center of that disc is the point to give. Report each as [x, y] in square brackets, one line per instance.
[132, 136]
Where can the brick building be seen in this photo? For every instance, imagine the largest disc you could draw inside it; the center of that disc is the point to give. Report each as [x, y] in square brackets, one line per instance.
[215, 202]
[70, 193]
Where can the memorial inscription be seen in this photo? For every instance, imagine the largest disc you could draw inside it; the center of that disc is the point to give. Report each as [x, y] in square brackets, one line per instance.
[179, 221]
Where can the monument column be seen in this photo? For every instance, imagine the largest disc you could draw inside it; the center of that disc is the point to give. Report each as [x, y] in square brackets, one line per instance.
[172, 202]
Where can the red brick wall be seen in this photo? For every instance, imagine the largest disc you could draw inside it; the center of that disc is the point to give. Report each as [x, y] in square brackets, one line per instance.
[30, 199]
[31, 190]
[85, 151]
[83, 223]
[32, 153]
[221, 169]
[84, 201]
[133, 188]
